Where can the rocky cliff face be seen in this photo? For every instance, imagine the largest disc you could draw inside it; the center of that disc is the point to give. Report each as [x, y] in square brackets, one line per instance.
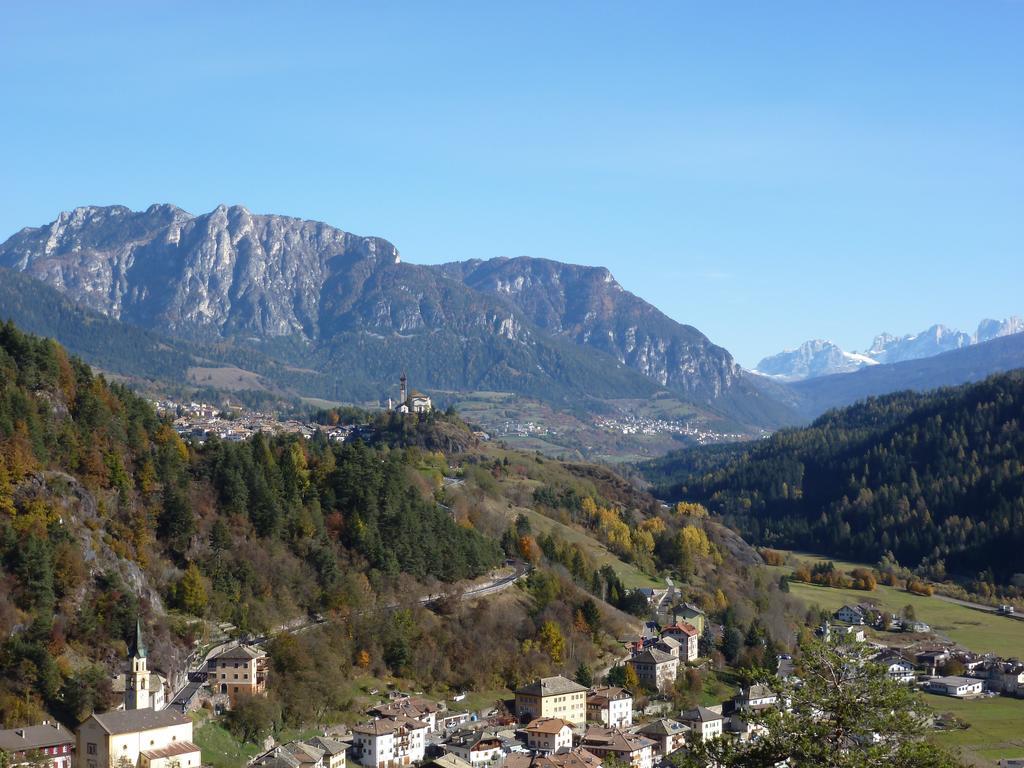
[231, 274]
[812, 359]
[588, 306]
[223, 273]
[887, 348]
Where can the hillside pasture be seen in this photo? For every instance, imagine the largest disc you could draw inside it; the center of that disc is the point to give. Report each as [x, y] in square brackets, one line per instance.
[976, 630]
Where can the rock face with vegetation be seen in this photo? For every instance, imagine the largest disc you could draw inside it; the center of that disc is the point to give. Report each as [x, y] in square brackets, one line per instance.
[935, 479]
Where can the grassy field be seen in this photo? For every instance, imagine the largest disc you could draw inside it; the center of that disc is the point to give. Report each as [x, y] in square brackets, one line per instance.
[477, 700]
[630, 575]
[976, 630]
[996, 728]
[220, 749]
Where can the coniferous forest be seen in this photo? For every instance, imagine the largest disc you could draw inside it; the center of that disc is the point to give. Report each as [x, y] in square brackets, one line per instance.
[936, 479]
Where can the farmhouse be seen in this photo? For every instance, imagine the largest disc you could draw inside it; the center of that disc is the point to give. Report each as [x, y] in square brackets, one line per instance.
[690, 614]
[959, 687]
[415, 708]
[1007, 677]
[930, 661]
[851, 614]
[318, 752]
[896, 667]
[755, 697]
[575, 758]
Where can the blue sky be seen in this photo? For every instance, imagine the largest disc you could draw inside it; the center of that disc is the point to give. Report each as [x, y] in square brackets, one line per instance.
[767, 172]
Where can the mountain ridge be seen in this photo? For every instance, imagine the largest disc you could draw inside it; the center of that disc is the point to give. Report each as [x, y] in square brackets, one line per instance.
[308, 292]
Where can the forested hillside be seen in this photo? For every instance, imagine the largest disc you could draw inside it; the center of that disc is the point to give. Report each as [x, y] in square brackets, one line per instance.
[105, 515]
[937, 479]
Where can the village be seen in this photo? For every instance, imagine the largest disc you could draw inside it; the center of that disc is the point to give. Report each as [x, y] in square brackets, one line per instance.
[551, 722]
[646, 425]
[200, 421]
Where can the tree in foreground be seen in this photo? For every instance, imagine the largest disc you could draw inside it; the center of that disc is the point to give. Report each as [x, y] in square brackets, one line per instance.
[844, 712]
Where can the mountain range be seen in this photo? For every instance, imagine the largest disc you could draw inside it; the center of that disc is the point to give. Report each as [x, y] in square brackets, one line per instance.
[346, 315]
[819, 357]
[281, 306]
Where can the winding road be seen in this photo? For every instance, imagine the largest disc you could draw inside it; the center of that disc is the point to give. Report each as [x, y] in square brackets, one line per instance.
[196, 674]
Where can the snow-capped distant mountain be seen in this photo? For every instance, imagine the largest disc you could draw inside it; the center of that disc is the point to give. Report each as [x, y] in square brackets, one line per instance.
[810, 360]
[823, 358]
[994, 329]
[887, 348]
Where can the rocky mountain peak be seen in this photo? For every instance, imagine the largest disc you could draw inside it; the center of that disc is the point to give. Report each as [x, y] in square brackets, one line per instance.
[993, 329]
[251, 278]
[817, 357]
[822, 358]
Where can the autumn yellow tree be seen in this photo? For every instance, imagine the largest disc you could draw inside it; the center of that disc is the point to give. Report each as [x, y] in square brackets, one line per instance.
[552, 642]
[688, 509]
[6, 490]
[193, 591]
[632, 681]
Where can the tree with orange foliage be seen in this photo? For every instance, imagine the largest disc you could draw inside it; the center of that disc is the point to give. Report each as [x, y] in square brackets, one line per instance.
[528, 549]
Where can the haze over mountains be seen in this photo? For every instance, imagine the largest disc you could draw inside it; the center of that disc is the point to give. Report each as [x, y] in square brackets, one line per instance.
[819, 357]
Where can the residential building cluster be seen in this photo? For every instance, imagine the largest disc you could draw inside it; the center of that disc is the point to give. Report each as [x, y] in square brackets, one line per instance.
[942, 669]
[201, 421]
[647, 425]
[510, 428]
[553, 722]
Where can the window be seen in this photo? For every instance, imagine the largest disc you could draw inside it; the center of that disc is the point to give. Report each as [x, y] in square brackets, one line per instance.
[90, 748]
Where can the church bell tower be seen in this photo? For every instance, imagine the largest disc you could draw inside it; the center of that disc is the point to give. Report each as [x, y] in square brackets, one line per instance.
[136, 691]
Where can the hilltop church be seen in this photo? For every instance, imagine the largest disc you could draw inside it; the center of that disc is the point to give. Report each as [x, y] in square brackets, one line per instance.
[409, 402]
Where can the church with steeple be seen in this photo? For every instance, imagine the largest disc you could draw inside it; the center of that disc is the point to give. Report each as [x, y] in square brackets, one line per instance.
[142, 688]
[137, 693]
[409, 402]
